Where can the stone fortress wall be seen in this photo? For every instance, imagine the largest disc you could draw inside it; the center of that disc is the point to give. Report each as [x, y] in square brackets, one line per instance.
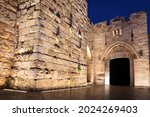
[8, 40]
[122, 39]
[48, 44]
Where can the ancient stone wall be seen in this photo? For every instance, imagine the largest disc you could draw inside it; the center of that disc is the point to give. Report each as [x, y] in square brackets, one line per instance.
[52, 44]
[122, 39]
[62, 51]
[8, 12]
[23, 74]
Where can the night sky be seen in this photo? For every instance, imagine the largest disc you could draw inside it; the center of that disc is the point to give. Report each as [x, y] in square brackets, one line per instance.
[101, 10]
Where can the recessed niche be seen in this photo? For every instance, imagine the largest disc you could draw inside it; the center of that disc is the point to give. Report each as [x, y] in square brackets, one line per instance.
[57, 31]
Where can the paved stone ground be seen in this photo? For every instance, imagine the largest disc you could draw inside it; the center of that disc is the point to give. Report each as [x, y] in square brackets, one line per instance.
[83, 93]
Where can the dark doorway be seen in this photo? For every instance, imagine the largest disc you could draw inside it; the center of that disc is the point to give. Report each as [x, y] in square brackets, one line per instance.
[120, 72]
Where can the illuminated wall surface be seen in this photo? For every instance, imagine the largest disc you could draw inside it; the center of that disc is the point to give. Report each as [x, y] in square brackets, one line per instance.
[47, 44]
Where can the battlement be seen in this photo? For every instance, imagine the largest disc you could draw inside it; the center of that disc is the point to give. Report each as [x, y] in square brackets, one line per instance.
[134, 16]
[117, 19]
[140, 14]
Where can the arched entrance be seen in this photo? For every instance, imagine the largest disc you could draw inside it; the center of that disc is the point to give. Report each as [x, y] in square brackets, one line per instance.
[120, 71]
[116, 55]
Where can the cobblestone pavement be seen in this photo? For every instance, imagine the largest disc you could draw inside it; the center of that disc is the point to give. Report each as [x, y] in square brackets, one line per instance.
[83, 93]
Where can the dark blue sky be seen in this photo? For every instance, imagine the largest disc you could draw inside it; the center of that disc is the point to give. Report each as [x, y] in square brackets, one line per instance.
[101, 10]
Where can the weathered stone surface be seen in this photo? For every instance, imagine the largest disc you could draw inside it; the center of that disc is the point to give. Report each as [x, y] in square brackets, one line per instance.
[49, 47]
[8, 11]
[2, 82]
[141, 72]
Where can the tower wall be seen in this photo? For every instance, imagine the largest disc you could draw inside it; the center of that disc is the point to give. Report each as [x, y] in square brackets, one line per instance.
[8, 12]
[24, 75]
[51, 51]
[62, 51]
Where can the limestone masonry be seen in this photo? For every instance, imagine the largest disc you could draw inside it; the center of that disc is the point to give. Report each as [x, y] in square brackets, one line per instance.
[48, 44]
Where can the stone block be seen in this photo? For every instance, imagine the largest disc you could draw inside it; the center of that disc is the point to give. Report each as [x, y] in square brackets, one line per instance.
[2, 82]
[30, 22]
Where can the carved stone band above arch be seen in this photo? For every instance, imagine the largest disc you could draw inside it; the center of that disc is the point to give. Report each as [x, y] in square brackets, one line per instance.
[119, 43]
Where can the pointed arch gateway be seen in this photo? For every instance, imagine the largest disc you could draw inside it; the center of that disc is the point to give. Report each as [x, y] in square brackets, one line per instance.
[119, 43]
[111, 57]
